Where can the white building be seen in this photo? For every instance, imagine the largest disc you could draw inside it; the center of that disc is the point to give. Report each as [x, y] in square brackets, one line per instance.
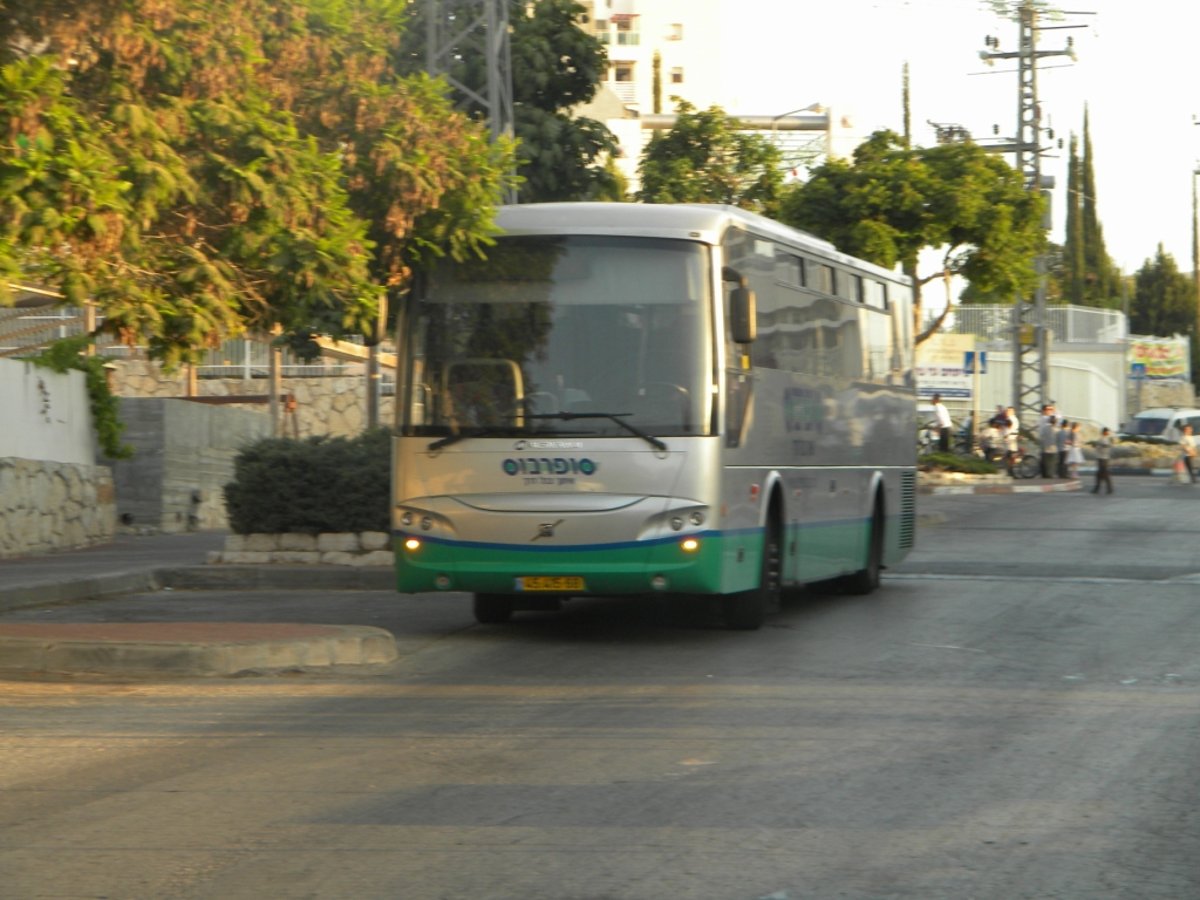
[682, 39]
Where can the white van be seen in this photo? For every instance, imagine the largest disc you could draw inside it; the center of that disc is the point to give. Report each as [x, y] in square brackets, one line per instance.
[1161, 424]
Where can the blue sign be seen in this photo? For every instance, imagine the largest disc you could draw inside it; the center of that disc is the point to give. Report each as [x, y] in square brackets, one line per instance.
[969, 362]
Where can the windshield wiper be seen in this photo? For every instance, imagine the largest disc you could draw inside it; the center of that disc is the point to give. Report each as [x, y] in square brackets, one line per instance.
[461, 436]
[612, 417]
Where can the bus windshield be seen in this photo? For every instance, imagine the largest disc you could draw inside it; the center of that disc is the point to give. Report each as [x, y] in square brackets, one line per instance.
[578, 335]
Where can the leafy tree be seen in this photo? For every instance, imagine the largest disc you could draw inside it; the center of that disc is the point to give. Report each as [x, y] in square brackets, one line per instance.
[890, 202]
[705, 158]
[202, 167]
[1164, 299]
[557, 66]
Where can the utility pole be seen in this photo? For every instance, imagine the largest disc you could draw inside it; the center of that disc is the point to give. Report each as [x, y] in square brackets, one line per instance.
[1031, 363]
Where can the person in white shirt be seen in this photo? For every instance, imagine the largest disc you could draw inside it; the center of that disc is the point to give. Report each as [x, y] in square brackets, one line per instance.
[1187, 444]
[941, 416]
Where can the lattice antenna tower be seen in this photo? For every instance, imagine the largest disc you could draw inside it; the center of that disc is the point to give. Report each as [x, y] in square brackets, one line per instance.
[458, 28]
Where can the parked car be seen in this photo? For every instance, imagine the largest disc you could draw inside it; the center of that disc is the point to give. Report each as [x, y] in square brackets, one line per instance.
[1161, 424]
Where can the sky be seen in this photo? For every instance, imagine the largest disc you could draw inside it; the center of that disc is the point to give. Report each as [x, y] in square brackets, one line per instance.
[1135, 73]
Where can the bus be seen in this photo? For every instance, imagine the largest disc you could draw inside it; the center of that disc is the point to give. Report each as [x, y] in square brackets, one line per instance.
[644, 400]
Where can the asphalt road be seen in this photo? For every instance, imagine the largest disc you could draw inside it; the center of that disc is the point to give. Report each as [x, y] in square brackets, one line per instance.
[1016, 714]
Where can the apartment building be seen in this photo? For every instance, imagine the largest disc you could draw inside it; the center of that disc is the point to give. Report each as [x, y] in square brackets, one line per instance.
[662, 49]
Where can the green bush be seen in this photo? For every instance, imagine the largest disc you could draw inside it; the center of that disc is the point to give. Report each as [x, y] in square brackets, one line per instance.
[311, 486]
[954, 462]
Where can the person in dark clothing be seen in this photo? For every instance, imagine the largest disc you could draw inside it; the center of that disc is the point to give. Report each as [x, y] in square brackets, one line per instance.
[1103, 450]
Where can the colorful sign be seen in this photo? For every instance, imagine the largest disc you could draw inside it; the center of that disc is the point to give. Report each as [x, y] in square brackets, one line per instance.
[1159, 358]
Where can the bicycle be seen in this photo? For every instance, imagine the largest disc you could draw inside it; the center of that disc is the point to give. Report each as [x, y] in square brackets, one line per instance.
[1023, 464]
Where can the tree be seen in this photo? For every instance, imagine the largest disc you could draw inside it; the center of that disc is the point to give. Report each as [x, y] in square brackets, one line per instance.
[705, 158]
[1073, 261]
[1164, 299]
[202, 167]
[558, 66]
[890, 202]
[1090, 276]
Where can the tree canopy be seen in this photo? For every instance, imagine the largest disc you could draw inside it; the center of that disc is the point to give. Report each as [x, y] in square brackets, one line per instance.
[1164, 299]
[891, 201]
[705, 158]
[202, 167]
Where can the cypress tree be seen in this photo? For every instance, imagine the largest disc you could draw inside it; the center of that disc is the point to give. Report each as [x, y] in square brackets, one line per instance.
[1072, 261]
[1101, 280]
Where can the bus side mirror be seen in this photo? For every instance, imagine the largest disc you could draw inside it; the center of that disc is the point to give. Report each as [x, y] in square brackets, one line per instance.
[743, 315]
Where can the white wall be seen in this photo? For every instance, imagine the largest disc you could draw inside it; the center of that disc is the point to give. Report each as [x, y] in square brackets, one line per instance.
[1087, 387]
[44, 415]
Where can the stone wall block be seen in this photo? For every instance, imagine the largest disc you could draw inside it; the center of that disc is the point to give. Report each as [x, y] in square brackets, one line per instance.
[376, 558]
[338, 542]
[297, 541]
[298, 557]
[374, 540]
[262, 542]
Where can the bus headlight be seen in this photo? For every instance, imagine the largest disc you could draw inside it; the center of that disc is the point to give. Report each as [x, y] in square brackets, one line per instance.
[412, 545]
[697, 517]
[676, 523]
[689, 545]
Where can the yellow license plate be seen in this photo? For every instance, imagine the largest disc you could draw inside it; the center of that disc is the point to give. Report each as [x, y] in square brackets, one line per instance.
[556, 583]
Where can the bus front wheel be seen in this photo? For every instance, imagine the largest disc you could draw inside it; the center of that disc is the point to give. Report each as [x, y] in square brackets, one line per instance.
[493, 609]
[748, 610]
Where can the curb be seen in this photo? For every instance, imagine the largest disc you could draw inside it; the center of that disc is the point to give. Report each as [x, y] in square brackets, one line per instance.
[97, 587]
[1053, 487]
[188, 649]
[197, 578]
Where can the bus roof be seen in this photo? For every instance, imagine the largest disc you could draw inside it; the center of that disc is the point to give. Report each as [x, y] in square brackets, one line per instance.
[694, 221]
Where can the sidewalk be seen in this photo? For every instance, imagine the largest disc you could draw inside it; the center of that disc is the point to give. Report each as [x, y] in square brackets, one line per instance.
[146, 563]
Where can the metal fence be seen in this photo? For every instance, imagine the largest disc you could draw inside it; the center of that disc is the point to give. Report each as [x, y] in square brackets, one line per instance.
[1067, 324]
[24, 331]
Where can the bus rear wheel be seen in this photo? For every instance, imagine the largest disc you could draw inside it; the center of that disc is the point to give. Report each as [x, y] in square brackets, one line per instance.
[748, 610]
[493, 609]
[867, 579]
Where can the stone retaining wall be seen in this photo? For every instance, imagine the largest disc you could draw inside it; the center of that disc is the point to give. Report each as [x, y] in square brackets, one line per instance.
[330, 405]
[47, 506]
[367, 548]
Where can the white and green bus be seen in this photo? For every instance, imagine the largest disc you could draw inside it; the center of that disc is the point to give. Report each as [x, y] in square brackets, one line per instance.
[629, 399]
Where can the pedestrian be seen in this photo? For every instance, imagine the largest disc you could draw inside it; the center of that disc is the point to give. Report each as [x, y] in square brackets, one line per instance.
[1063, 440]
[1187, 447]
[943, 422]
[1011, 433]
[1048, 438]
[1074, 452]
[1103, 450]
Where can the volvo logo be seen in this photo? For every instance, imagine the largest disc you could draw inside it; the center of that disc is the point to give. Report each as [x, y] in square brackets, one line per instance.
[545, 530]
